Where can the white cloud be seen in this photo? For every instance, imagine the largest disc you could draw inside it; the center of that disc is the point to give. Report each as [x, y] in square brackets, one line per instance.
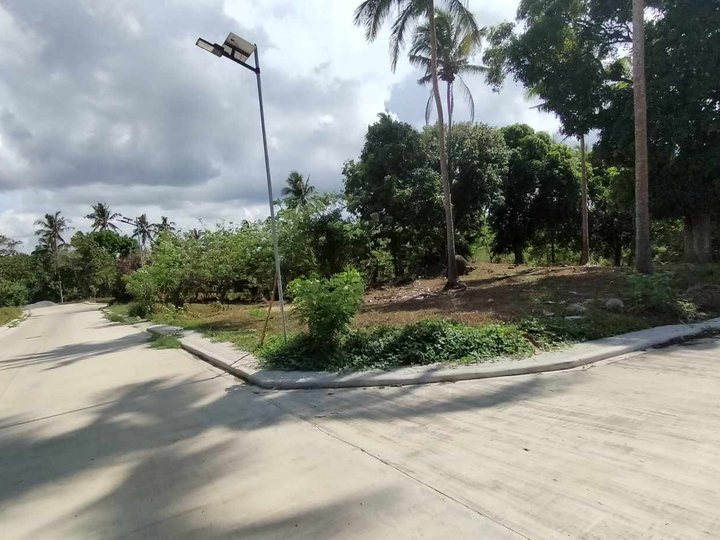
[111, 101]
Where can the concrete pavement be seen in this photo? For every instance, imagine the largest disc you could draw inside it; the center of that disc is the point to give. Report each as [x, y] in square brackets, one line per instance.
[101, 437]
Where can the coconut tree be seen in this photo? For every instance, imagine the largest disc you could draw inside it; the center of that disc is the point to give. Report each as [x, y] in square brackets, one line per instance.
[643, 255]
[50, 233]
[102, 218]
[143, 232]
[372, 14]
[165, 225]
[455, 45]
[298, 189]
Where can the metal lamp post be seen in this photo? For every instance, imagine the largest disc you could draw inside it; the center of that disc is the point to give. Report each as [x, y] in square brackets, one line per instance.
[239, 51]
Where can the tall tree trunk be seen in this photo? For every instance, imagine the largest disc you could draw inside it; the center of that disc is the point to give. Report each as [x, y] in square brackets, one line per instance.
[617, 254]
[519, 256]
[450, 106]
[452, 273]
[643, 254]
[585, 255]
[57, 269]
[698, 230]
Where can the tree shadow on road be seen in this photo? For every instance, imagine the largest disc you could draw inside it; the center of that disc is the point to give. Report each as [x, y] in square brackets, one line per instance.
[146, 431]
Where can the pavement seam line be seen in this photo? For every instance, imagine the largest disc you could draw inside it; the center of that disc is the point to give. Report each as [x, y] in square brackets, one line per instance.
[401, 471]
[414, 478]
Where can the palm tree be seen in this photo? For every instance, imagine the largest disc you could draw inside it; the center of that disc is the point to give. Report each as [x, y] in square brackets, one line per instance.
[143, 231]
[371, 14]
[298, 189]
[103, 218]
[165, 225]
[456, 45]
[643, 255]
[50, 234]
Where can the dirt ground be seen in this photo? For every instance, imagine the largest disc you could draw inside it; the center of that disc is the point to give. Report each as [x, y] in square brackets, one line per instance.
[495, 293]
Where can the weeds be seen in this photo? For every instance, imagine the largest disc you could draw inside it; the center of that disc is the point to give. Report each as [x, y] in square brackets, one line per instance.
[165, 342]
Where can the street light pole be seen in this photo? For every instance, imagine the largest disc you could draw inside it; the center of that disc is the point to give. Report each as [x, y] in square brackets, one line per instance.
[276, 248]
[238, 50]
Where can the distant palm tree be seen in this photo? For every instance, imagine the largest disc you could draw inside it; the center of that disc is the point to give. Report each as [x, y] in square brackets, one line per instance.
[103, 218]
[165, 226]
[456, 44]
[196, 234]
[298, 189]
[371, 14]
[50, 234]
[143, 231]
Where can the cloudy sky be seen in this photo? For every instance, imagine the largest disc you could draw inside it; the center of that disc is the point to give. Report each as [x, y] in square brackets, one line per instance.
[110, 100]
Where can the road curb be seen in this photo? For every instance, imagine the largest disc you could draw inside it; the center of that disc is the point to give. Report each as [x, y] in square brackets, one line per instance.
[243, 364]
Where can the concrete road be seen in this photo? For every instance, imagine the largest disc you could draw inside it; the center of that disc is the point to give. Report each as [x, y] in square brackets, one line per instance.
[102, 437]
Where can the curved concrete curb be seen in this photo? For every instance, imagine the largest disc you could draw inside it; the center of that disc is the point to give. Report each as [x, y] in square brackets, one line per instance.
[245, 366]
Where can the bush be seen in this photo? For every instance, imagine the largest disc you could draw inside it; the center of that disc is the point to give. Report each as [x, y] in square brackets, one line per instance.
[139, 310]
[143, 289]
[422, 343]
[328, 305]
[13, 293]
[659, 294]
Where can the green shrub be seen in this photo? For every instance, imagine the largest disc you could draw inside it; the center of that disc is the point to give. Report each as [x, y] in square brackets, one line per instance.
[13, 293]
[142, 287]
[422, 343]
[659, 294]
[328, 305]
[138, 309]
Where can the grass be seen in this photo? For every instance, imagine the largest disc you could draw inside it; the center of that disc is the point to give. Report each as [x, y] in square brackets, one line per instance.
[165, 342]
[9, 314]
[530, 301]
[117, 313]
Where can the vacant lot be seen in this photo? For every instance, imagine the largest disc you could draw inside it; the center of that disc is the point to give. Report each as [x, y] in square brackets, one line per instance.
[540, 299]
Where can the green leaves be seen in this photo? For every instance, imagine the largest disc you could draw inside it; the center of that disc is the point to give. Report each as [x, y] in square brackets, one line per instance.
[328, 305]
[426, 342]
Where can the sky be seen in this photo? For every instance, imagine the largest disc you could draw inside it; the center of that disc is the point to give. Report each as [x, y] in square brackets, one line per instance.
[111, 101]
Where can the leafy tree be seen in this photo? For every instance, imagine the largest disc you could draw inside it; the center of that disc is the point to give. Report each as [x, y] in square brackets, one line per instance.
[371, 14]
[102, 217]
[480, 162]
[114, 243]
[683, 113]
[298, 189]
[50, 234]
[93, 266]
[8, 246]
[611, 193]
[564, 56]
[536, 197]
[388, 192]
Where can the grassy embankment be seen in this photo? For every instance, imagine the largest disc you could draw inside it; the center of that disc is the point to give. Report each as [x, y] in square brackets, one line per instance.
[506, 311]
[8, 314]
